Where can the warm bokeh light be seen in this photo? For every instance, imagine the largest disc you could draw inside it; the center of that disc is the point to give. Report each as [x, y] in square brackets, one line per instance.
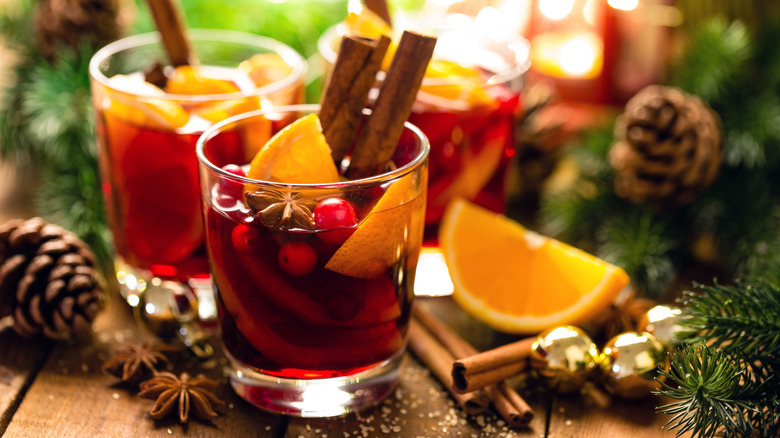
[556, 9]
[575, 55]
[578, 57]
[624, 5]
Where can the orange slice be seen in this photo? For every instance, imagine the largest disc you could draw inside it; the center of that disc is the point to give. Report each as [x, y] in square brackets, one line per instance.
[187, 79]
[265, 68]
[518, 281]
[143, 111]
[391, 232]
[298, 154]
[367, 24]
[447, 81]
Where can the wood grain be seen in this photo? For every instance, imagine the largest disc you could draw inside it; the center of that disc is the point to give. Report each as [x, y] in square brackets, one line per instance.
[71, 398]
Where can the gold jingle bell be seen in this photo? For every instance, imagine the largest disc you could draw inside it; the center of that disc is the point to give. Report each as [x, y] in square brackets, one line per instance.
[663, 322]
[564, 357]
[630, 363]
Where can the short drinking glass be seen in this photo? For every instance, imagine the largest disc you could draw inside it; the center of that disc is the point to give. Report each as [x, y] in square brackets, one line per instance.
[314, 315]
[146, 139]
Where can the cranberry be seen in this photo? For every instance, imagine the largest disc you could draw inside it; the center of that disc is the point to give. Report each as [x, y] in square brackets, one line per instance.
[246, 239]
[337, 217]
[342, 306]
[229, 187]
[297, 258]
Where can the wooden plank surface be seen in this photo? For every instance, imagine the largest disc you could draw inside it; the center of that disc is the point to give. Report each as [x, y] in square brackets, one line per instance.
[70, 397]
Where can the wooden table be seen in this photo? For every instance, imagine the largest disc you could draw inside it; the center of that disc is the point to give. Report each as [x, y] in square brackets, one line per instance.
[57, 390]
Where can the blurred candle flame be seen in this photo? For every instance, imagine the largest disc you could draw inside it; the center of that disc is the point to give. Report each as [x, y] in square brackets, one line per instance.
[556, 9]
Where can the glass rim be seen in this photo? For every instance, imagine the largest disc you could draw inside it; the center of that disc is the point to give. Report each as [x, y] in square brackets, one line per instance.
[216, 35]
[216, 129]
[518, 69]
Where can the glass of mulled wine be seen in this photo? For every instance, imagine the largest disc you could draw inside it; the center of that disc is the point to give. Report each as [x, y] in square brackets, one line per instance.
[314, 282]
[467, 107]
[148, 120]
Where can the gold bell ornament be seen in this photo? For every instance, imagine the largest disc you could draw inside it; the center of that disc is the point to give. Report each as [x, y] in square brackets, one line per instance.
[630, 363]
[564, 357]
[664, 322]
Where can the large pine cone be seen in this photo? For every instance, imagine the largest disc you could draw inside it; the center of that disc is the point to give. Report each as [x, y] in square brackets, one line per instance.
[48, 279]
[71, 22]
[668, 147]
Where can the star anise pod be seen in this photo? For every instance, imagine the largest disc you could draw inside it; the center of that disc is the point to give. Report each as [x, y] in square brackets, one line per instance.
[621, 317]
[186, 394]
[133, 362]
[282, 210]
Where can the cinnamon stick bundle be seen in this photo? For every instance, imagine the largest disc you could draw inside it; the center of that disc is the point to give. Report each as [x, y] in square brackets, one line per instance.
[346, 91]
[491, 366]
[380, 135]
[509, 404]
[171, 27]
[439, 361]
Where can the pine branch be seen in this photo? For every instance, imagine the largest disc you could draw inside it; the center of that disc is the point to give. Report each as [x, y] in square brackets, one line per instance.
[722, 315]
[646, 245]
[56, 104]
[711, 398]
[715, 57]
[727, 382]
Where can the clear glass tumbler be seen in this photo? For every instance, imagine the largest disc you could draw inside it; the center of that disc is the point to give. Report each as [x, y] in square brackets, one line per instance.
[146, 141]
[314, 317]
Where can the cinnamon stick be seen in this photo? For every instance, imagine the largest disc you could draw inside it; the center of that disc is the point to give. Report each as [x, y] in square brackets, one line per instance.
[170, 25]
[379, 7]
[352, 77]
[491, 366]
[509, 404]
[380, 135]
[439, 361]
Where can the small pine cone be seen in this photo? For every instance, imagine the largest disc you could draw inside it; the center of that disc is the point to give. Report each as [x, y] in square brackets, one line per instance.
[48, 279]
[72, 21]
[668, 147]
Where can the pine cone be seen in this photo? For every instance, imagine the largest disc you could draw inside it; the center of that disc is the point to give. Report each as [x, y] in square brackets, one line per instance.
[48, 279]
[73, 21]
[668, 147]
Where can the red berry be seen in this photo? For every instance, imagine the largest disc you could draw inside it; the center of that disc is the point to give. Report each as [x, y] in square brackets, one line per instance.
[335, 214]
[232, 188]
[246, 239]
[297, 258]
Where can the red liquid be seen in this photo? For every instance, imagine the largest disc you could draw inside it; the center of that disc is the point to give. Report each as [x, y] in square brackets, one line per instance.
[321, 324]
[470, 151]
[150, 182]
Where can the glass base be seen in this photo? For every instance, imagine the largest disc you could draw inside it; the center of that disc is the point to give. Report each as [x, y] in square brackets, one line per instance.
[315, 398]
[171, 309]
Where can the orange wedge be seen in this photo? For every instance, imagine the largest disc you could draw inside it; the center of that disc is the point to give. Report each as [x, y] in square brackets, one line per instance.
[265, 68]
[143, 111]
[449, 81]
[518, 281]
[391, 232]
[367, 24]
[298, 154]
[187, 79]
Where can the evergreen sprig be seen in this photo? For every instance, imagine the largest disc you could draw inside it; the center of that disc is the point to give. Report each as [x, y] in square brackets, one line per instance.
[740, 319]
[739, 213]
[724, 376]
[707, 383]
